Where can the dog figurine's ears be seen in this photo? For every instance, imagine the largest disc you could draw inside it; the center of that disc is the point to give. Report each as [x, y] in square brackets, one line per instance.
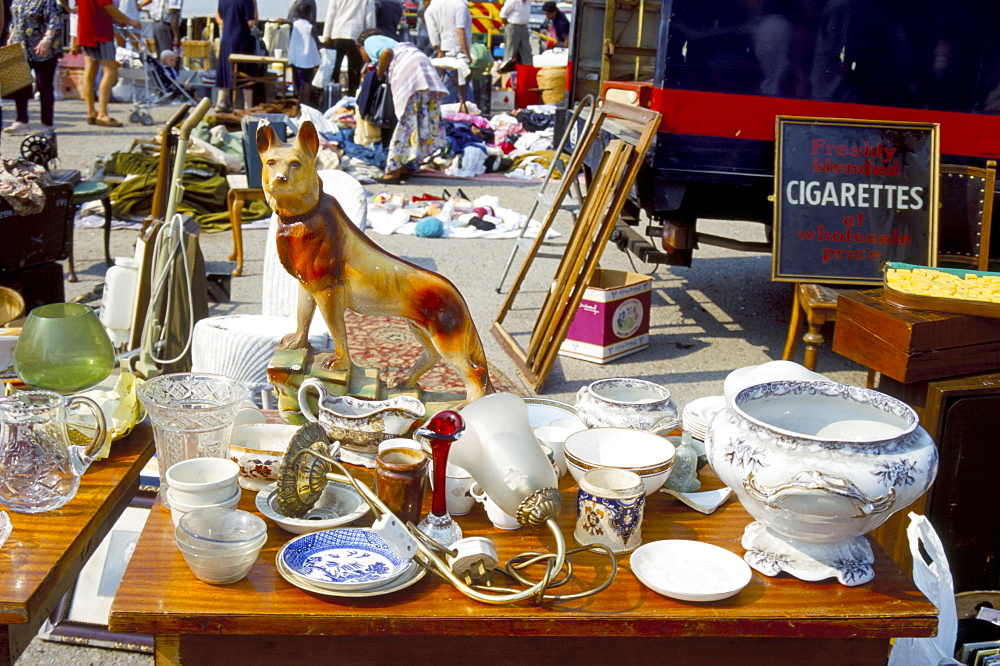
[307, 139]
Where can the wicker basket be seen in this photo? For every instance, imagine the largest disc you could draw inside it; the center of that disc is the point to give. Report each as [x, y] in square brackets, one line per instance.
[14, 71]
[11, 305]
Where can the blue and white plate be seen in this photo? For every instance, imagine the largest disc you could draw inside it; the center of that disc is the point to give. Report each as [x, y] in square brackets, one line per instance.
[342, 559]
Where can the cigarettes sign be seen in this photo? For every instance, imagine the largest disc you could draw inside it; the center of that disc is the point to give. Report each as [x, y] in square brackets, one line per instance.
[851, 195]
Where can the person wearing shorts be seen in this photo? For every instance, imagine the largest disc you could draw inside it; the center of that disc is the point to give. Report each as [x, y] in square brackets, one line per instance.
[96, 36]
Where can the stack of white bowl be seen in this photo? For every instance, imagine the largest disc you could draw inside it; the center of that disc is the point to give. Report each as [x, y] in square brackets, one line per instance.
[202, 483]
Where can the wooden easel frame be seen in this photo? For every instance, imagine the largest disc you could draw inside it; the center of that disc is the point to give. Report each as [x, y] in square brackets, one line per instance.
[606, 196]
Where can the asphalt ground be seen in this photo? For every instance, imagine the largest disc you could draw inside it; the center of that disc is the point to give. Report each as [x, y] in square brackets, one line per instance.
[722, 313]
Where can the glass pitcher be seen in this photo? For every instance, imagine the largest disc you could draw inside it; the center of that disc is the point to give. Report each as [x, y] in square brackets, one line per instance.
[40, 465]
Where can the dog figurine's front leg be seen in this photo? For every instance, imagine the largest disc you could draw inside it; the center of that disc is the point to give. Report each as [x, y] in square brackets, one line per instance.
[331, 308]
[304, 311]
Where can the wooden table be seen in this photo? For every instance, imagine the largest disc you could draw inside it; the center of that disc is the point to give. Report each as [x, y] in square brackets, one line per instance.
[264, 619]
[239, 193]
[241, 79]
[46, 551]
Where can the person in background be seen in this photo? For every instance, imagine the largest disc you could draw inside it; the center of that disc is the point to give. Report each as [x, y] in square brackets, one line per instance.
[345, 21]
[556, 26]
[133, 10]
[235, 19]
[38, 25]
[449, 27]
[388, 13]
[96, 35]
[516, 42]
[166, 18]
[303, 49]
[417, 92]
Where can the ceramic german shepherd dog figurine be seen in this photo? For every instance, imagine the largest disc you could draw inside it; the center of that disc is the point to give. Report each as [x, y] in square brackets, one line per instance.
[339, 268]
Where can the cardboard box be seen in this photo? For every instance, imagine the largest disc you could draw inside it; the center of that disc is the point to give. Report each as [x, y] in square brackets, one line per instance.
[613, 318]
[501, 100]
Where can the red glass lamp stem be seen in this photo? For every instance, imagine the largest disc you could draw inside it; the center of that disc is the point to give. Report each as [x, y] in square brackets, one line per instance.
[439, 454]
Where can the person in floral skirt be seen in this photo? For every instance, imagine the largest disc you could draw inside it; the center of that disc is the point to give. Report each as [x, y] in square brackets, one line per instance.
[417, 92]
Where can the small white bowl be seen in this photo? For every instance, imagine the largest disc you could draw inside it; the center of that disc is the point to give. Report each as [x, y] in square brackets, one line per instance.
[648, 455]
[202, 481]
[258, 449]
[178, 509]
[339, 505]
[220, 545]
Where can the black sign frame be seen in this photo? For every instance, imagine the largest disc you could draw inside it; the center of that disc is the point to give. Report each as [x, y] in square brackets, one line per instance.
[850, 195]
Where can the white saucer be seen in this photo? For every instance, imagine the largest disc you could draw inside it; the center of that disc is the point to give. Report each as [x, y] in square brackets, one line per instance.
[542, 412]
[690, 570]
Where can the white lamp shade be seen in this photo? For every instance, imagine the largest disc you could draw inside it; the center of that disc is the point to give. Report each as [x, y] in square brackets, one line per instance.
[500, 451]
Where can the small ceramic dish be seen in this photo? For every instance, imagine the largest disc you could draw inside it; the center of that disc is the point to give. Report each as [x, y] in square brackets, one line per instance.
[343, 559]
[690, 570]
[542, 412]
[258, 449]
[339, 505]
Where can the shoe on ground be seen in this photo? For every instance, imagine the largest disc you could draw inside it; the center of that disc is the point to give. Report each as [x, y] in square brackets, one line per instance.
[17, 127]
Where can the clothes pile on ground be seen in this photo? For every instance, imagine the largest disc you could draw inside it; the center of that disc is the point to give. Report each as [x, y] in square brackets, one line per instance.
[517, 144]
[448, 216]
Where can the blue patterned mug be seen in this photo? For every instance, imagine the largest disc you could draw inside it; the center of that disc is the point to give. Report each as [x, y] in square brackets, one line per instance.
[609, 509]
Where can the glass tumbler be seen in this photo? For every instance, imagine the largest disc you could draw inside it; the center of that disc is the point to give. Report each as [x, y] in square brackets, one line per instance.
[192, 415]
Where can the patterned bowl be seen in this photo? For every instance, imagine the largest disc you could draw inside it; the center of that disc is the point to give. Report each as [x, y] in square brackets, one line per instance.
[343, 559]
[648, 455]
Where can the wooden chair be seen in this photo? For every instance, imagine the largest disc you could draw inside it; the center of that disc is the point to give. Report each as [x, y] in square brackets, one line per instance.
[965, 195]
[196, 52]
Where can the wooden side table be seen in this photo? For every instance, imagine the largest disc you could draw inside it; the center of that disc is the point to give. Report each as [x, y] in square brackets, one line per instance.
[239, 194]
[242, 79]
[947, 367]
[46, 551]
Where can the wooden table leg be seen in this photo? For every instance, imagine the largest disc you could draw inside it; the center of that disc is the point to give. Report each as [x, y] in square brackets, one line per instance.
[167, 650]
[236, 199]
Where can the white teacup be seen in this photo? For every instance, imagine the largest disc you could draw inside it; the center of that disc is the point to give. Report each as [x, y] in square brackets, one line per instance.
[554, 437]
[500, 518]
[458, 491]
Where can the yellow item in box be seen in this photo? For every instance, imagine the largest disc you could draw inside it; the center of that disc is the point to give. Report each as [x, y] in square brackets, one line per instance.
[956, 291]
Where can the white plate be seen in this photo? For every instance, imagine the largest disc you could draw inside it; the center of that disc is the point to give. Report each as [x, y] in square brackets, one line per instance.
[700, 412]
[690, 570]
[408, 578]
[343, 559]
[542, 412]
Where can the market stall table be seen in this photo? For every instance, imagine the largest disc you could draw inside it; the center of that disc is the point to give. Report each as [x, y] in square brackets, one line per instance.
[46, 551]
[264, 619]
[242, 79]
[240, 192]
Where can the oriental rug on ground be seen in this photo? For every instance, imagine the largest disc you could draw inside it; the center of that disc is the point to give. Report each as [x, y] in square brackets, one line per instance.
[386, 343]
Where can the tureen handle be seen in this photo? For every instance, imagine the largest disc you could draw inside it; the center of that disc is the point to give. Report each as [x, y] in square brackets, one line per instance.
[812, 482]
